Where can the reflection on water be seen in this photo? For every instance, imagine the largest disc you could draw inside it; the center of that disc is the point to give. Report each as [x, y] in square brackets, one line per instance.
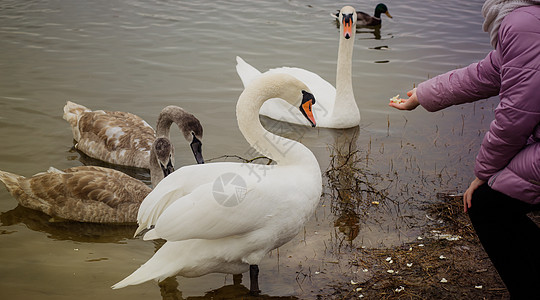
[354, 190]
[66, 230]
[342, 180]
[376, 31]
[233, 291]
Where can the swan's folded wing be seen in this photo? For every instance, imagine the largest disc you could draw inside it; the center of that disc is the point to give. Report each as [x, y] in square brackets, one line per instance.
[118, 130]
[175, 186]
[209, 213]
[164, 194]
[245, 71]
[154, 205]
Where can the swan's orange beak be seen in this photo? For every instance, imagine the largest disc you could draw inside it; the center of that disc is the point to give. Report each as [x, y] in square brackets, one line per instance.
[307, 102]
[347, 26]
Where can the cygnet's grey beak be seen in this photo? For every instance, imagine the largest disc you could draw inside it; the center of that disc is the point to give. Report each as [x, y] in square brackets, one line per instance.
[196, 147]
[168, 169]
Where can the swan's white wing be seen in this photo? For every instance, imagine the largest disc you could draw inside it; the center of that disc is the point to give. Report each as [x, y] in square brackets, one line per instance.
[225, 207]
[174, 186]
[245, 71]
[324, 92]
[279, 109]
[199, 216]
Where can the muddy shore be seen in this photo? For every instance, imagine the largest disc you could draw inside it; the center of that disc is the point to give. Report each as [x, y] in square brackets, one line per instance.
[446, 262]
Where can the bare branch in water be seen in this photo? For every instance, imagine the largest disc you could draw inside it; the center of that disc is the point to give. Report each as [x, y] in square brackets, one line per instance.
[269, 160]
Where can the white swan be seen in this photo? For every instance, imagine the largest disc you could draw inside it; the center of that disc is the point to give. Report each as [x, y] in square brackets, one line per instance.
[93, 194]
[222, 217]
[123, 138]
[336, 107]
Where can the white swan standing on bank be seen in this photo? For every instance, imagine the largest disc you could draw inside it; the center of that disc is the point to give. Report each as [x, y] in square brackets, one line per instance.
[220, 217]
[94, 194]
[336, 107]
[123, 138]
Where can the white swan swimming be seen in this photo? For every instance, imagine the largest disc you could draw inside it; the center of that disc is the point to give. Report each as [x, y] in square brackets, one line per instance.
[336, 107]
[123, 138]
[220, 217]
[89, 193]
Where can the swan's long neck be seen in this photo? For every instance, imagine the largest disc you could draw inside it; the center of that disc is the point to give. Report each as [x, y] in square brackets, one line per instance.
[156, 174]
[167, 116]
[345, 101]
[282, 150]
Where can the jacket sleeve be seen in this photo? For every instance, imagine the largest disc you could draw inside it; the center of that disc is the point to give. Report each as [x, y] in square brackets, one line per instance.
[477, 81]
[518, 112]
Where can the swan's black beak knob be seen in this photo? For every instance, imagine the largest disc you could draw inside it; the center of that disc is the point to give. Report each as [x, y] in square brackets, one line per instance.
[347, 23]
[307, 102]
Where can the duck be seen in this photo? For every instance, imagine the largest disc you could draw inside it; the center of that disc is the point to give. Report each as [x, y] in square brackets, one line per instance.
[220, 217]
[364, 19]
[336, 106]
[92, 194]
[125, 139]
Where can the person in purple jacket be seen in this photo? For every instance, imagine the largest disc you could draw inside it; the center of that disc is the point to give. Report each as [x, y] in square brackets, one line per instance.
[507, 167]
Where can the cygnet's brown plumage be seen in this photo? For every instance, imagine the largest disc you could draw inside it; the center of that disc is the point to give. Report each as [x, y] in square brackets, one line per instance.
[84, 193]
[94, 194]
[125, 139]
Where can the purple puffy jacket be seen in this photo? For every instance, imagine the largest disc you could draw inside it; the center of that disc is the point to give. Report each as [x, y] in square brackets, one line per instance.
[509, 157]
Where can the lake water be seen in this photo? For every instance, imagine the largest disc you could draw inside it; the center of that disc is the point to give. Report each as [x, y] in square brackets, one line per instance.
[139, 56]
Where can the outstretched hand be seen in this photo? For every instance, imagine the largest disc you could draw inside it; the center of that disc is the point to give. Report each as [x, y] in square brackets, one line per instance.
[467, 197]
[406, 104]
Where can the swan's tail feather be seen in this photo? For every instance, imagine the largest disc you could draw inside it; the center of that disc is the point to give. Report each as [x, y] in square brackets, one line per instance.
[245, 71]
[165, 263]
[72, 114]
[150, 235]
[11, 181]
[139, 276]
[153, 205]
[72, 111]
